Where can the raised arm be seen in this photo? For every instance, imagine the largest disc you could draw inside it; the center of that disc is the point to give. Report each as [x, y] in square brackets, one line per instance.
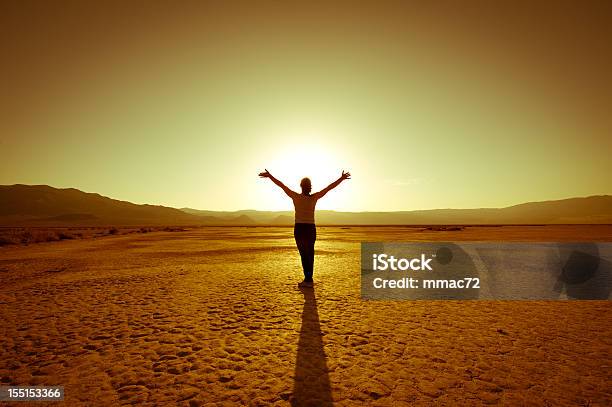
[266, 174]
[321, 193]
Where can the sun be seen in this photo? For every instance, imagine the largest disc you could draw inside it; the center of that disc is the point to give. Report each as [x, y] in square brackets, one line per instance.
[319, 162]
[299, 161]
[291, 150]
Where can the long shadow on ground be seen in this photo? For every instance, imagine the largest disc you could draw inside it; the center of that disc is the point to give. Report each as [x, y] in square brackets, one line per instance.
[311, 386]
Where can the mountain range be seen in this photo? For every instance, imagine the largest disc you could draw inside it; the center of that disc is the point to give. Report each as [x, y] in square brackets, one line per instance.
[42, 205]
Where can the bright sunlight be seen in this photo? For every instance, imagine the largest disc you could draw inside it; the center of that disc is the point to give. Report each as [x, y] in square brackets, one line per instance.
[316, 161]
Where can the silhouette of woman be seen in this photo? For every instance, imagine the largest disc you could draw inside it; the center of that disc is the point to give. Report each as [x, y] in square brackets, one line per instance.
[305, 231]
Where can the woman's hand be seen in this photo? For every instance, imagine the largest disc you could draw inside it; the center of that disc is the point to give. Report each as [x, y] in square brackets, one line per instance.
[265, 174]
[345, 175]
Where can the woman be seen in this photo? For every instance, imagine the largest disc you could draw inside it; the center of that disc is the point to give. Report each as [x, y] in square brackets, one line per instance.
[305, 231]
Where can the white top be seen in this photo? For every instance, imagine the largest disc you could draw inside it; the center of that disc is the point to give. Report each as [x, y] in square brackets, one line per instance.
[304, 207]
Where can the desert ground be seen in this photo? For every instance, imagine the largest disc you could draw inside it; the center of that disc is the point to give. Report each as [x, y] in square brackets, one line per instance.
[209, 316]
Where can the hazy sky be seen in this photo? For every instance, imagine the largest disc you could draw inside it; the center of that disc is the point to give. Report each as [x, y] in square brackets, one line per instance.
[453, 104]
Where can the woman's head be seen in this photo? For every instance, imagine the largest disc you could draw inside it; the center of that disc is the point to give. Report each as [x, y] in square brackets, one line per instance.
[306, 186]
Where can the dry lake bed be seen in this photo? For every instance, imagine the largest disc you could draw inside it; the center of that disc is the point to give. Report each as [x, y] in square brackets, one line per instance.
[210, 316]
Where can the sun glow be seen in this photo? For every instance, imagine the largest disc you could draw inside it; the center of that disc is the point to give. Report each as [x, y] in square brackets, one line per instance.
[315, 161]
[298, 162]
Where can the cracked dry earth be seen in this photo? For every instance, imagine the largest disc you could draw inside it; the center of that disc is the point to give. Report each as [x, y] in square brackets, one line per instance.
[212, 316]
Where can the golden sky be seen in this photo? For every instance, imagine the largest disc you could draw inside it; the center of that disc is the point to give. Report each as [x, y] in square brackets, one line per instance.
[449, 104]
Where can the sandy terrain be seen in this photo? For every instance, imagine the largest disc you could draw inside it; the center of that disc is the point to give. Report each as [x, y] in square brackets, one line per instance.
[212, 315]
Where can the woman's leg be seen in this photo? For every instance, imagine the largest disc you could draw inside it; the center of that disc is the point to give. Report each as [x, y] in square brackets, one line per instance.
[311, 237]
[301, 240]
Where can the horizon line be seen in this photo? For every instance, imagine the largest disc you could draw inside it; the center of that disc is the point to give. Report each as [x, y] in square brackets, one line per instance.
[183, 208]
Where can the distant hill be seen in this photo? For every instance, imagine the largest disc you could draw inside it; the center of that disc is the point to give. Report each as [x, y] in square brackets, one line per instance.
[258, 217]
[589, 210]
[42, 205]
